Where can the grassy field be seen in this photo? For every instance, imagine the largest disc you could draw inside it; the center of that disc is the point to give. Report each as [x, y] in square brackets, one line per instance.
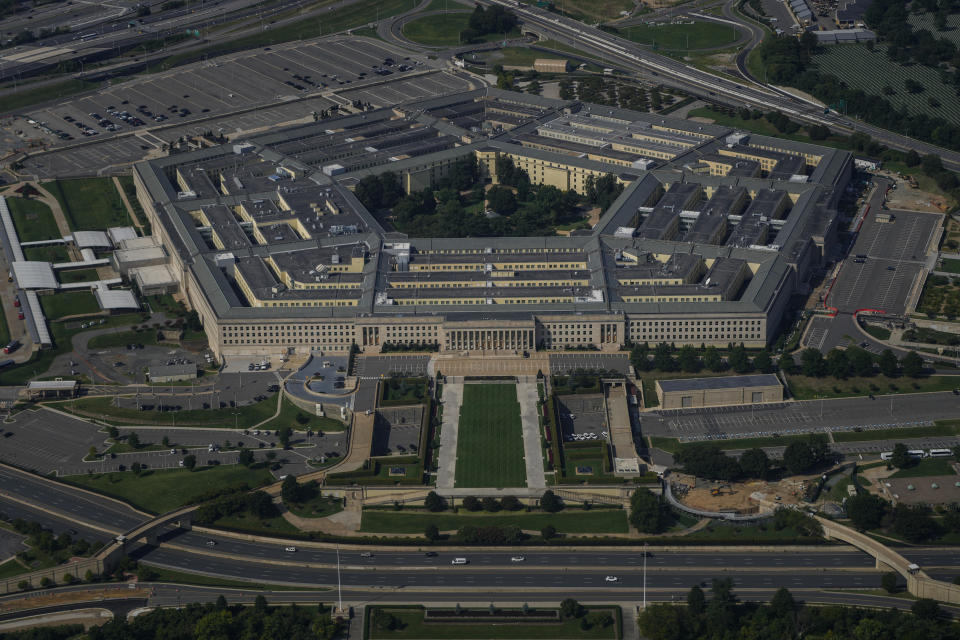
[940, 429]
[441, 30]
[927, 467]
[947, 264]
[699, 35]
[763, 126]
[69, 303]
[880, 333]
[122, 338]
[672, 445]
[412, 625]
[78, 275]
[401, 391]
[567, 521]
[48, 253]
[167, 489]
[758, 533]
[490, 438]
[27, 97]
[90, 203]
[248, 522]
[11, 568]
[806, 388]
[319, 507]
[33, 220]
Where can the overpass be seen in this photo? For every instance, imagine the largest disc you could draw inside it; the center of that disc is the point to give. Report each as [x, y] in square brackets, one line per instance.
[919, 584]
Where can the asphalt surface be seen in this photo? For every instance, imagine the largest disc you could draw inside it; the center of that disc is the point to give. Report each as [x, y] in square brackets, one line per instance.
[840, 414]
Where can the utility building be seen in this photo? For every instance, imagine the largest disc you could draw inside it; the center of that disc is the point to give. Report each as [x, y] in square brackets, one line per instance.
[692, 393]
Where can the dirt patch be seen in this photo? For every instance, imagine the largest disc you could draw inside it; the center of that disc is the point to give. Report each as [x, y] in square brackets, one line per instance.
[742, 497]
[703, 120]
[912, 199]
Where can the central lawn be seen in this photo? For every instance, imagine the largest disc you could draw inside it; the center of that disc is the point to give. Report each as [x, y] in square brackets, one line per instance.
[33, 220]
[699, 35]
[78, 275]
[69, 303]
[412, 625]
[567, 521]
[807, 388]
[163, 490]
[90, 204]
[927, 467]
[490, 438]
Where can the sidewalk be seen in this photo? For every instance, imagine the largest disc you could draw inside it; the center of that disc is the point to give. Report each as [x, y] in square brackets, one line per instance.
[447, 457]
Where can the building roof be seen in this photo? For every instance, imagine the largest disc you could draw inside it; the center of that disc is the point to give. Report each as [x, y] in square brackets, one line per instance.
[119, 234]
[34, 275]
[91, 239]
[723, 382]
[52, 385]
[115, 298]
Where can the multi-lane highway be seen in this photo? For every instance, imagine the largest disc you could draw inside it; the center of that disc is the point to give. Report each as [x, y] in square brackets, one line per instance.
[631, 57]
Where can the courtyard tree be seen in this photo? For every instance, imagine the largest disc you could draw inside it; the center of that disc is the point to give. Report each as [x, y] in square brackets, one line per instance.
[647, 511]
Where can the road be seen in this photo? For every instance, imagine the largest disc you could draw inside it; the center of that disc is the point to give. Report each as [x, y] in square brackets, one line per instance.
[631, 57]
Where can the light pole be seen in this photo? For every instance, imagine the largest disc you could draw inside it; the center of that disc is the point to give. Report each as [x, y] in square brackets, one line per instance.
[339, 590]
[644, 576]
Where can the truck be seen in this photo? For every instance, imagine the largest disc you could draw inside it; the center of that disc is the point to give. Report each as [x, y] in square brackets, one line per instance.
[11, 346]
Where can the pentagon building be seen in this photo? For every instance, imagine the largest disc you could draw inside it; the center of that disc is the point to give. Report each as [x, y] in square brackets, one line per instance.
[712, 234]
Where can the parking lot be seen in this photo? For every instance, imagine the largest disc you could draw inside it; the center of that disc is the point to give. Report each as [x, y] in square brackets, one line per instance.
[565, 362]
[377, 366]
[45, 441]
[884, 262]
[582, 417]
[396, 431]
[812, 416]
[249, 92]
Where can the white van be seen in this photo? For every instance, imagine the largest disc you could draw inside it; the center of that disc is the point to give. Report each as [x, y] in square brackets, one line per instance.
[459, 561]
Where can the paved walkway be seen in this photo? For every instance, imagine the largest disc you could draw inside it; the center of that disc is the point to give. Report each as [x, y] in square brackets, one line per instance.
[447, 459]
[532, 454]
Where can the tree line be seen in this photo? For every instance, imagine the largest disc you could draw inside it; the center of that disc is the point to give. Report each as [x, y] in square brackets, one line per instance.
[724, 617]
[708, 460]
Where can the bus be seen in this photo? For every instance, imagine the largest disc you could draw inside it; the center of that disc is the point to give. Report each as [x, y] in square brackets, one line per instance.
[917, 453]
[886, 455]
[940, 453]
[87, 36]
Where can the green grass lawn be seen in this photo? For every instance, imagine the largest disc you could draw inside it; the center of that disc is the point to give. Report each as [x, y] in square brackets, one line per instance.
[927, 467]
[162, 490]
[947, 264]
[763, 126]
[592, 11]
[807, 388]
[939, 429]
[412, 625]
[48, 253]
[699, 35]
[33, 220]
[672, 445]
[27, 97]
[441, 30]
[123, 338]
[319, 507]
[78, 275]
[401, 391]
[746, 532]
[248, 522]
[490, 438]
[90, 204]
[69, 303]
[12, 568]
[568, 521]
[880, 333]
[183, 577]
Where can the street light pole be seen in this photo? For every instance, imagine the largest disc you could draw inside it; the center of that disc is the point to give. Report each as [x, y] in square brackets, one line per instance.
[339, 590]
[644, 576]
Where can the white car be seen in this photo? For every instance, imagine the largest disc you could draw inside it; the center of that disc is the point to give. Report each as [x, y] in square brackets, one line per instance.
[518, 559]
[290, 549]
[366, 554]
[612, 579]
